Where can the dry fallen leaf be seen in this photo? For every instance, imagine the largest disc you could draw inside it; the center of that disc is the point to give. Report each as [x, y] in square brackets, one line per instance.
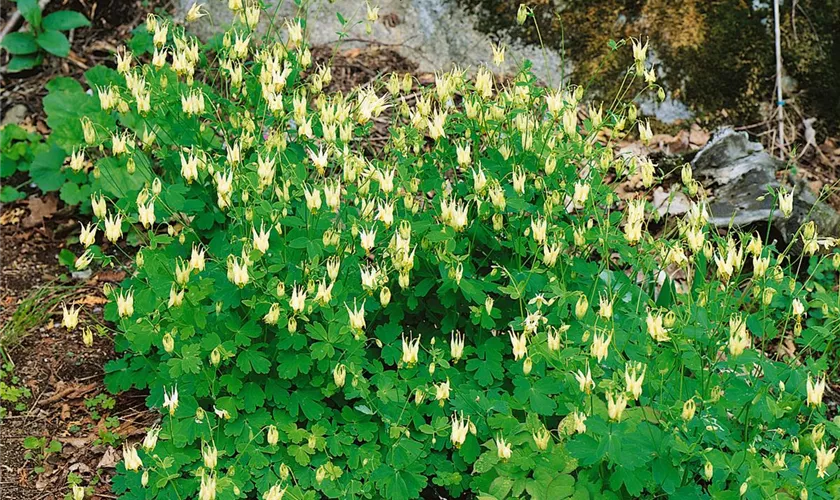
[109, 459]
[40, 209]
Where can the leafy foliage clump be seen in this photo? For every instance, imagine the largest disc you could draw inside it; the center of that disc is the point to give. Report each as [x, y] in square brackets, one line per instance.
[463, 305]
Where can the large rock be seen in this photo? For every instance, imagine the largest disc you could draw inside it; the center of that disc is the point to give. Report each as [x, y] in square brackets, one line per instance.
[435, 34]
[741, 179]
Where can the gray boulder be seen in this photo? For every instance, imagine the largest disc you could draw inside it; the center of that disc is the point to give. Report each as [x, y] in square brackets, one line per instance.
[741, 179]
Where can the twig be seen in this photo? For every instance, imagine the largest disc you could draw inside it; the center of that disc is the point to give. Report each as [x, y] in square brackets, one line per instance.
[779, 101]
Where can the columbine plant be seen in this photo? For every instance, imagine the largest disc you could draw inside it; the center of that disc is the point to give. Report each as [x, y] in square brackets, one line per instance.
[462, 304]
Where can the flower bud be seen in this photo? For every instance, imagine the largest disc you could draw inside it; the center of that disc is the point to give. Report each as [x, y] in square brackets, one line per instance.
[271, 435]
[384, 296]
[527, 365]
[581, 306]
[215, 356]
[168, 343]
[87, 337]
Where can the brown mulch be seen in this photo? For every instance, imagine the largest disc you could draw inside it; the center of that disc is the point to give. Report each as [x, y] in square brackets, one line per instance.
[61, 373]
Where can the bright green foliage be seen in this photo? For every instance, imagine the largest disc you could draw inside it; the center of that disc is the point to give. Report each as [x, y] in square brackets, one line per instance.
[44, 35]
[18, 148]
[304, 283]
[13, 394]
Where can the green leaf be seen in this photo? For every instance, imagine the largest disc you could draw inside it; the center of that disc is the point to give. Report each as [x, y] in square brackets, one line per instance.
[19, 43]
[54, 42]
[9, 194]
[31, 11]
[485, 462]
[73, 194]
[24, 62]
[548, 485]
[46, 170]
[252, 360]
[65, 20]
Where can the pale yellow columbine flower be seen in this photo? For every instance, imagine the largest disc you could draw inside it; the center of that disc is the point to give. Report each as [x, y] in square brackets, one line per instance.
[125, 304]
[645, 133]
[70, 316]
[210, 455]
[333, 266]
[688, 410]
[170, 399]
[797, 307]
[581, 194]
[410, 350]
[197, 259]
[639, 54]
[207, 489]
[584, 380]
[260, 238]
[498, 54]
[616, 406]
[460, 428]
[367, 239]
[581, 306]
[131, 458]
[98, 205]
[298, 299]
[146, 214]
[456, 346]
[655, 328]
[357, 316]
[815, 391]
[541, 438]
[538, 229]
[339, 374]
[520, 345]
[708, 471]
[634, 377]
[579, 420]
[324, 294]
[503, 450]
[84, 260]
[442, 392]
[786, 202]
[600, 346]
[273, 314]
[824, 459]
[238, 273]
[176, 297]
[605, 306]
[275, 493]
[479, 180]
[87, 236]
[313, 199]
[739, 339]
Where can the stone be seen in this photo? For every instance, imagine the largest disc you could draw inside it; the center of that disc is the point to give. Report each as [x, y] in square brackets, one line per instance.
[435, 34]
[14, 115]
[741, 178]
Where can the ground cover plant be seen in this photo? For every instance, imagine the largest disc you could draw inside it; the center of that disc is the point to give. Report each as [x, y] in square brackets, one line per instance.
[469, 309]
